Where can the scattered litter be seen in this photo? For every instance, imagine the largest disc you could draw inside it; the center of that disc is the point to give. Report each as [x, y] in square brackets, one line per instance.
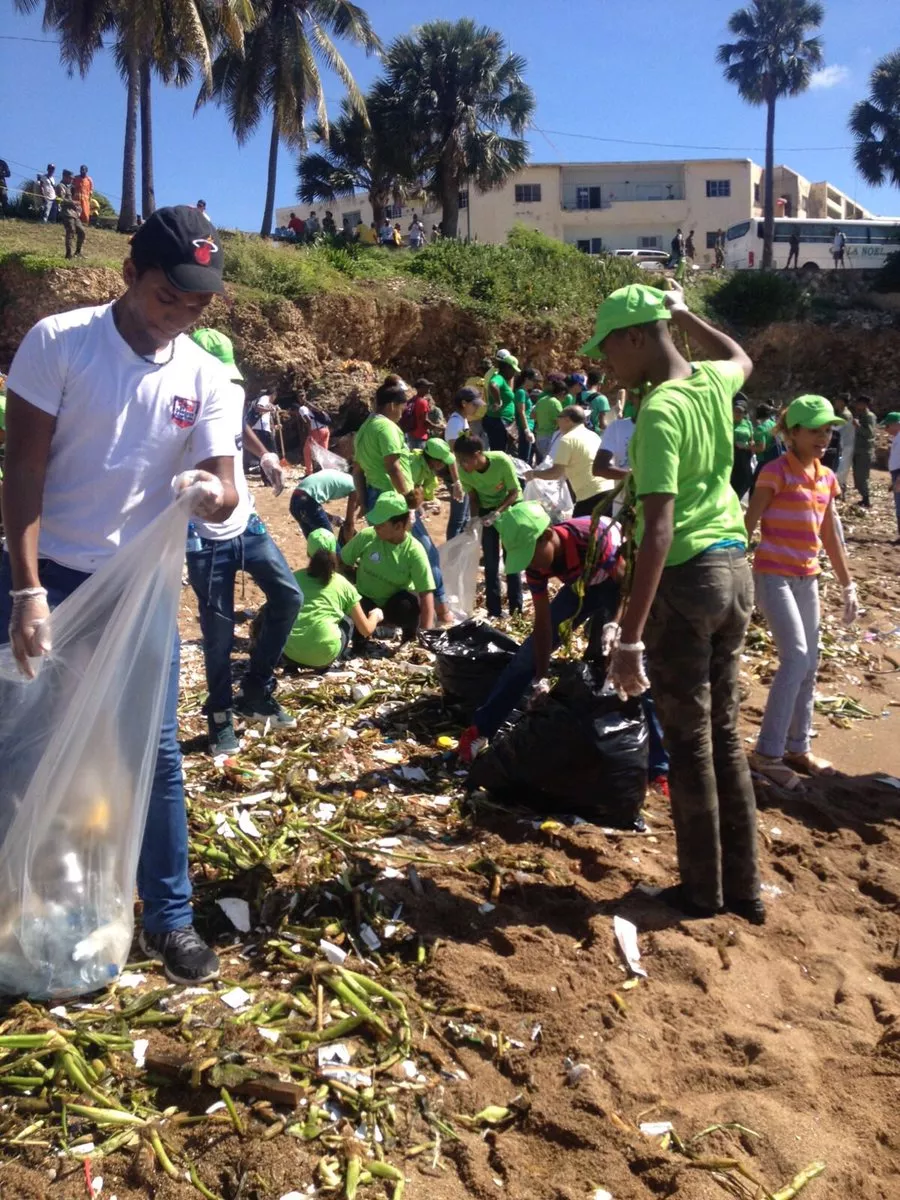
[312, 775]
[388, 843]
[537, 1032]
[325, 812]
[337, 1052]
[771, 889]
[412, 774]
[223, 828]
[237, 911]
[655, 1128]
[487, 907]
[391, 755]
[370, 937]
[775, 832]
[626, 936]
[333, 953]
[360, 691]
[131, 979]
[236, 998]
[214, 1108]
[59, 1011]
[97, 1185]
[409, 1068]
[84, 1148]
[391, 873]
[245, 823]
[575, 1072]
[139, 1051]
[270, 1035]
[599, 1194]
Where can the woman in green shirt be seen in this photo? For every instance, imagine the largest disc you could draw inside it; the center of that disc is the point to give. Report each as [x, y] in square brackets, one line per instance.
[489, 479]
[525, 382]
[500, 419]
[331, 608]
[742, 471]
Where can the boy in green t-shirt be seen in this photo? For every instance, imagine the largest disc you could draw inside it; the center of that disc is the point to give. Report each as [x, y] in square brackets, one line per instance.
[546, 409]
[742, 470]
[489, 479]
[392, 570]
[692, 592]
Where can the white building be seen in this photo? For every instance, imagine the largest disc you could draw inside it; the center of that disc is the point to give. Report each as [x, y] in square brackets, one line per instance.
[616, 206]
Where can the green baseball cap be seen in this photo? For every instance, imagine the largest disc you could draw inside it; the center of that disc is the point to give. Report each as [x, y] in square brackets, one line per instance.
[320, 539]
[811, 412]
[636, 304]
[893, 418]
[220, 346]
[519, 528]
[388, 504]
[439, 449]
[504, 356]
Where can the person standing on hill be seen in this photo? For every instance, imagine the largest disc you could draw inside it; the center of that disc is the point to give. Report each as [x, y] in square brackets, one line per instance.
[47, 187]
[794, 254]
[71, 216]
[864, 422]
[82, 191]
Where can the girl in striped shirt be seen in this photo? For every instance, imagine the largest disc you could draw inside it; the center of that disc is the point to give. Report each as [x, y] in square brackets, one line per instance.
[794, 504]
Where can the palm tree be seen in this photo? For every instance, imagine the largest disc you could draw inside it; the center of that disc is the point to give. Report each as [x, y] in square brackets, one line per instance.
[454, 92]
[774, 56]
[356, 153]
[875, 123]
[279, 70]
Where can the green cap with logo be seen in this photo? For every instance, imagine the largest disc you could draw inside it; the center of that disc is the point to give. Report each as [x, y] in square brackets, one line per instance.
[519, 528]
[320, 539]
[893, 418]
[220, 346]
[636, 304]
[388, 505]
[439, 449]
[811, 412]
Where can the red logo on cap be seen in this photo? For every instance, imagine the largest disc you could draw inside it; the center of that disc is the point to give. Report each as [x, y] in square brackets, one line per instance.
[204, 249]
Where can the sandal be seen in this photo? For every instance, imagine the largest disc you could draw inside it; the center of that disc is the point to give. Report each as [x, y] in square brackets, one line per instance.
[776, 771]
[810, 764]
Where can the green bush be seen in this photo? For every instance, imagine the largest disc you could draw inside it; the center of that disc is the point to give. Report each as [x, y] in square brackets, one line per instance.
[755, 298]
[293, 272]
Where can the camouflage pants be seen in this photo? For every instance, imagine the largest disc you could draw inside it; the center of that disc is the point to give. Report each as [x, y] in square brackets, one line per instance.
[694, 638]
[74, 234]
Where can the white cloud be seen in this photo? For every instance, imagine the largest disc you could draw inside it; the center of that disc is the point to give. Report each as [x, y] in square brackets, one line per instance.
[829, 77]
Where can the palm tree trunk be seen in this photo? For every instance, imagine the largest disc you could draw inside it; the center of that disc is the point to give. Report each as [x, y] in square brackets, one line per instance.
[450, 206]
[379, 200]
[148, 193]
[270, 185]
[128, 210]
[769, 197]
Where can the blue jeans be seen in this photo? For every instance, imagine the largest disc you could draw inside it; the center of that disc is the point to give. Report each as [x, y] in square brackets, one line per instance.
[496, 433]
[420, 533]
[526, 448]
[308, 514]
[490, 545]
[162, 880]
[790, 604]
[459, 516]
[212, 571]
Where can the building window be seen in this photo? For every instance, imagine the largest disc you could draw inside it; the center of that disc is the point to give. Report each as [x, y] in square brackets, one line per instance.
[650, 243]
[528, 193]
[712, 238]
[464, 199]
[590, 245]
[756, 199]
[718, 187]
[588, 197]
[395, 211]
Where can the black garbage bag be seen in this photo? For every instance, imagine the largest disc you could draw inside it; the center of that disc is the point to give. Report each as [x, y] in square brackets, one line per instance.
[471, 657]
[579, 751]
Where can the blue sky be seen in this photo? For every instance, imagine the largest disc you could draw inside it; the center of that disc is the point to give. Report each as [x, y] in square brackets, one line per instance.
[642, 71]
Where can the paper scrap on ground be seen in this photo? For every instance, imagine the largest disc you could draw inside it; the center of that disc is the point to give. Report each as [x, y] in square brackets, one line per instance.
[352, 1076]
[237, 911]
[656, 1128]
[131, 979]
[271, 1035]
[216, 1107]
[139, 1050]
[412, 774]
[325, 812]
[391, 755]
[236, 998]
[333, 953]
[337, 1052]
[370, 937]
[626, 936]
[245, 822]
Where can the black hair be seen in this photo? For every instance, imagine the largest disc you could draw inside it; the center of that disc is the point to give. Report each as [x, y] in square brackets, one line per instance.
[323, 565]
[863, 399]
[465, 395]
[557, 387]
[594, 378]
[526, 374]
[391, 391]
[764, 411]
[468, 443]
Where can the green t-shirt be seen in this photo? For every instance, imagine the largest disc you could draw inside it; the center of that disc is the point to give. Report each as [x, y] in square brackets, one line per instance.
[683, 445]
[599, 406]
[315, 640]
[422, 474]
[383, 569]
[323, 486]
[506, 410]
[764, 434]
[546, 409]
[527, 403]
[743, 434]
[491, 486]
[376, 438]
[865, 434]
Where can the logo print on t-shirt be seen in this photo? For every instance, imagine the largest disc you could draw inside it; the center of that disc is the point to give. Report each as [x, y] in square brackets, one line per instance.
[185, 411]
[204, 249]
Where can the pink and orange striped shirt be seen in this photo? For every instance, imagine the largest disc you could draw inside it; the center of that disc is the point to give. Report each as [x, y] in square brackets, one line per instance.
[791, 526]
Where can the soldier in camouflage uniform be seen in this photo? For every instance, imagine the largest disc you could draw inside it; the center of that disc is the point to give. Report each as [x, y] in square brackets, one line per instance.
[70, 209]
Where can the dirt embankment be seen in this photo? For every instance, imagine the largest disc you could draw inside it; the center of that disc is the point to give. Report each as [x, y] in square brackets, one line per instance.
[330, 344]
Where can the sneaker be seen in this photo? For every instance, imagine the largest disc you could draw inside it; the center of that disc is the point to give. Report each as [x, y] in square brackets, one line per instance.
[183, 953]
[471, 743]
[753, 911]
[222, 738]
[263, 711]
[660, 784]
[676, 897]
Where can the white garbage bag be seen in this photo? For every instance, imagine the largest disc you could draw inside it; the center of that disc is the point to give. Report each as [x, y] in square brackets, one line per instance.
[553, 495]
[326, 460]
[78, 747]
[459, 560]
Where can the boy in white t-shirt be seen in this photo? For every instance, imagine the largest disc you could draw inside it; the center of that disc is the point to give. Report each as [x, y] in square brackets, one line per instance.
[106, 405]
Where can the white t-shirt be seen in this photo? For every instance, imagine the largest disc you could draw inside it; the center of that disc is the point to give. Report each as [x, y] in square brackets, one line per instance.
[237, 522]
[457, 425]
[125, 426]
[894, 456]
[616, 439]
[48, 187]
[264, 417]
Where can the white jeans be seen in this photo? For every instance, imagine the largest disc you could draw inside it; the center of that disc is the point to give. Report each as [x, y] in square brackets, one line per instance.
[790, 604]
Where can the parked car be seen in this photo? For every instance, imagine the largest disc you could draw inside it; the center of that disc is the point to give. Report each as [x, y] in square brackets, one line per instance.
[647, 260]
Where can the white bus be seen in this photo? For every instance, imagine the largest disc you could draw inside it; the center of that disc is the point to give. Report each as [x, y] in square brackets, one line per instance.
[869, 242]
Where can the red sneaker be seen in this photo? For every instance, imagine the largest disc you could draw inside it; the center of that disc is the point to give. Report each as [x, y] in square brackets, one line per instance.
[661, 784]
[470, 743]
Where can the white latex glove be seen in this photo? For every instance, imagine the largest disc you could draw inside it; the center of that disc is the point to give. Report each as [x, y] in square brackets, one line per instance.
[851, 604]
[457, 492]
[205, 492]
[376, 615]
[270, 465]
[675, 301]
[609, 638]
[488, 519]
[29, 630]
[626, 673]
[539, 689]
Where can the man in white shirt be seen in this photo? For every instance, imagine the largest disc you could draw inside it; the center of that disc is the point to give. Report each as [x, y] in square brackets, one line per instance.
[105, 406]
[612, 461]
[47, 184]
[215, 554]
[573, 459]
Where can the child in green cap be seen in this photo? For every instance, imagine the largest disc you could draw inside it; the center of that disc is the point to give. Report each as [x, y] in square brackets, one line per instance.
[331, 608]
[794, 501]
[392, 569]
[489, 480]
[692, 592]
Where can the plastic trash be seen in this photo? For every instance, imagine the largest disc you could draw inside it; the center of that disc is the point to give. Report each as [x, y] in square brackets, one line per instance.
[553, 495]
[470, 658]
[459, 559]
[326, 460]
[581, 750]
[78, 746]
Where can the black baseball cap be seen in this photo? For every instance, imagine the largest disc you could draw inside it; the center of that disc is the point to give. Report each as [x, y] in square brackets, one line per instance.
[184, 245]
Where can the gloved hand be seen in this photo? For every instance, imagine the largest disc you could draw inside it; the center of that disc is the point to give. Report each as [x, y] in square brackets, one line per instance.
[206, 493]
[626, 671]
[488, 519]
[609, 638]
[457, 492]
[539, 689]
[675, 301]
[29, 628]
[271, 467]
[851, 604]
[376, 615]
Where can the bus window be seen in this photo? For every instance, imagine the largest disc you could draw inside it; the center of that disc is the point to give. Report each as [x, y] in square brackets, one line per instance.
[884, 235]
[783, 231]
[760, 229]
[738, 231]
[855, 231]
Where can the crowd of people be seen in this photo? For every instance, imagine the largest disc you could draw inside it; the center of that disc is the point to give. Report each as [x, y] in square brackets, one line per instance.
[388, 232]
[653, 470]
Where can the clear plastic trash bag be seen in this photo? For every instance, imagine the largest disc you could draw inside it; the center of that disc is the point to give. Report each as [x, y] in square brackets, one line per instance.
[553, 495]
[326, 460]
[459, 560]
[78, 747]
